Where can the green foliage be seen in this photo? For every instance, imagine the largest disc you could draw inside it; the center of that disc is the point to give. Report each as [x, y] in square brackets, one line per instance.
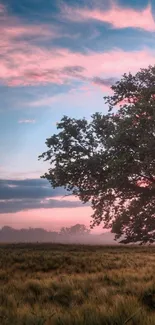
[110, 161]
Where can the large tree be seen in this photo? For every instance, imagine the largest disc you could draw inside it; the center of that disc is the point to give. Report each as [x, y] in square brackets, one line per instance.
[110, 160]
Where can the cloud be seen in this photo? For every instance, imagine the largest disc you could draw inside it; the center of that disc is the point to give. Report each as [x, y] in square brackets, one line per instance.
[83, 96]
[14, 30]
[27, 189]
[45, 101]
[28, 63]
[58, 75]
[8, 174]
[43, 66]
[74, 71]
[27, 60]
[103, 82]
[118, 17]
[16, 41]
[19, 195]
[109, 68]
[26, 121]
[12, 206]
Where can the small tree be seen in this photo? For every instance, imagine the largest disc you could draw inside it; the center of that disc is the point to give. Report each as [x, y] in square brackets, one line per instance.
[75, 230]
[110, 161]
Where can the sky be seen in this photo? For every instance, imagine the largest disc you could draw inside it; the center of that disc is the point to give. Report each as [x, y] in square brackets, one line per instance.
[59, 58]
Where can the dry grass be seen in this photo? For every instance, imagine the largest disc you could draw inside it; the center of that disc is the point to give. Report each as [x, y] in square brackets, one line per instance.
[76, 285]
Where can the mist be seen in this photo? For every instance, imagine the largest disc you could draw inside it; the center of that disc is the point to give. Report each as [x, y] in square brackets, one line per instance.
[71, 235]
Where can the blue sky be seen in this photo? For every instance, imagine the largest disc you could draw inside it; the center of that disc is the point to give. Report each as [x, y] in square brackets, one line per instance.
[59, 58]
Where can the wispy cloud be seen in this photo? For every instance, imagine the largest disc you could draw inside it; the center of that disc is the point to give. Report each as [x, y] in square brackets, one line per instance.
[24, 62]
[43, 66]
[45, 101]
[14, 29]
[27, 121]
[9, 174]
[84, 95]
[117, 16]
[16, 42]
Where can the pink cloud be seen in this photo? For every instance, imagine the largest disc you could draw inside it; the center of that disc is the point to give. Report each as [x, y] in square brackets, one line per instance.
[42, 66]
[27, 30]
[26, 63]
[113, 62]
[118, 17]
[15, 44]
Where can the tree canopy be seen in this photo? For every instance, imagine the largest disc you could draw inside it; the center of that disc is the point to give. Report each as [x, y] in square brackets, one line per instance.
[110, 160]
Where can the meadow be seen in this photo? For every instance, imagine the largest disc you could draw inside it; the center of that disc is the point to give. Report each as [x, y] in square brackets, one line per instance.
[43, 284]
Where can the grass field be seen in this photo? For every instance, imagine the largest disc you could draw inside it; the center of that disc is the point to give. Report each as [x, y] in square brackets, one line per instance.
[47, 284]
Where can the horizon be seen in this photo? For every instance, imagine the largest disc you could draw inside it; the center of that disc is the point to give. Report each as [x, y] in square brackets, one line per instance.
[53, 229]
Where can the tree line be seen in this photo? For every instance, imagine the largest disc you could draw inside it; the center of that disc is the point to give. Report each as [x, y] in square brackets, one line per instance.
[78, 233]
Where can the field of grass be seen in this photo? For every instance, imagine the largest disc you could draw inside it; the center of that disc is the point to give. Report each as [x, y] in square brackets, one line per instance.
[47, 284]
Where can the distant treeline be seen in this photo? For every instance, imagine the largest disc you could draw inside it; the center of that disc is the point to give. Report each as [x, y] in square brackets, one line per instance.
[75, 234]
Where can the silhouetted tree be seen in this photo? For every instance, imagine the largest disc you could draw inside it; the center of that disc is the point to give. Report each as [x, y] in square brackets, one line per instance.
[75, 230]
[110, 161]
